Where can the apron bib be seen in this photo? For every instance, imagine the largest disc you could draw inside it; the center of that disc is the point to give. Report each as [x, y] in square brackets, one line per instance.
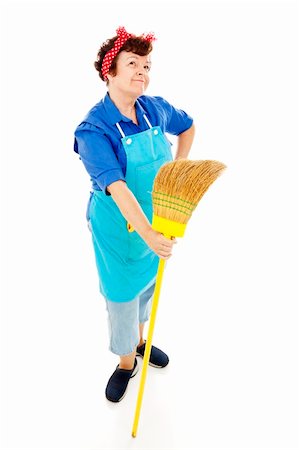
[126, 265]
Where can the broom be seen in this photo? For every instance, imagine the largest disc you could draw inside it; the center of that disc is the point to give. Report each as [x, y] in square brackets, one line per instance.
[178, 187]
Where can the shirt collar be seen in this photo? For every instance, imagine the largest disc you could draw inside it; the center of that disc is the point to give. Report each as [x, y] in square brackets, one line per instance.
[113, 113]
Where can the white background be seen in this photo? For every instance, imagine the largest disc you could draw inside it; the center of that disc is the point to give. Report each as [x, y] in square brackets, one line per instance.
[228, 313]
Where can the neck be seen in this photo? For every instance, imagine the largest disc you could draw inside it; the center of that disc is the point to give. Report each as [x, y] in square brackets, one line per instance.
[125, 104]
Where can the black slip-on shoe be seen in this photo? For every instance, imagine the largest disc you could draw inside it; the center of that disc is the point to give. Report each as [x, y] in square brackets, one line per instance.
[118, 383]
[157, 357]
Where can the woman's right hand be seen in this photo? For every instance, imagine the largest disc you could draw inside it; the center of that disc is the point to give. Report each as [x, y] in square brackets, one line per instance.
[161, 245]
[134, 215]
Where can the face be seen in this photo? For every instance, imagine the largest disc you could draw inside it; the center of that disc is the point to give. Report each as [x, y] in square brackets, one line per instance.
[132, 73]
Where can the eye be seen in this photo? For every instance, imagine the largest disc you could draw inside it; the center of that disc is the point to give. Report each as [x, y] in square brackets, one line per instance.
[147, 68]
[132, 63]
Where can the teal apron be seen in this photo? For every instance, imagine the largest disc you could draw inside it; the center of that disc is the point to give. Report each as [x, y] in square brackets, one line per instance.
[126, 265]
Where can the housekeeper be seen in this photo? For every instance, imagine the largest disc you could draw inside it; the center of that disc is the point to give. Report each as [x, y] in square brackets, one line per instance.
[122, 145]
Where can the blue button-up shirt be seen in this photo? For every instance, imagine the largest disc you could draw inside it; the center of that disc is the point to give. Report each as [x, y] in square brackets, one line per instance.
[98, 140]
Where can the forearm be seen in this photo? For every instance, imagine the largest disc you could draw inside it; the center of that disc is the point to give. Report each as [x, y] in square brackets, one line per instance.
[185, 140]
[130, 208]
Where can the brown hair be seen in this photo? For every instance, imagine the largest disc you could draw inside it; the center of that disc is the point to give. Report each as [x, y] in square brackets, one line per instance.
[136, 45]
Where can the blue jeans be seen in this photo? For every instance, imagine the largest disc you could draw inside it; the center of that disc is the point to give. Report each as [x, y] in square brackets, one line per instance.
[124, 319]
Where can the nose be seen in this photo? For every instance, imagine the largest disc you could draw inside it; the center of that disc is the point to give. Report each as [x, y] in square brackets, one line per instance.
[140, 70]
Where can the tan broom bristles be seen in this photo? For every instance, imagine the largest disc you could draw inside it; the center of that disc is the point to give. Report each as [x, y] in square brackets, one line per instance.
[179, 185]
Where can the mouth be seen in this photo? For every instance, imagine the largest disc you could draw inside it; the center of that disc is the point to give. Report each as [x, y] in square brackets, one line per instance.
[140, 81]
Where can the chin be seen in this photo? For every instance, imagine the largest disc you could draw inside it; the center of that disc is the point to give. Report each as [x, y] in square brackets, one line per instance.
[139, 92]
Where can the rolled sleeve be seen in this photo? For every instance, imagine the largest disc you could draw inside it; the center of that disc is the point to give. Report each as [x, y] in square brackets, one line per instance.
[98, 156]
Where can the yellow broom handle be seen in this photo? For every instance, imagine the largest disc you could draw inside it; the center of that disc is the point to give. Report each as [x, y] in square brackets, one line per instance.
[148, 344]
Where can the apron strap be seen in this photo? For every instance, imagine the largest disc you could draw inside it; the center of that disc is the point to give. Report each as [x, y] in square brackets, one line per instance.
[147, 121]
[121, 130]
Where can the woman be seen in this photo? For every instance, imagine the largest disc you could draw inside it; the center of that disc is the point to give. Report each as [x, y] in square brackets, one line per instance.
[122, 144]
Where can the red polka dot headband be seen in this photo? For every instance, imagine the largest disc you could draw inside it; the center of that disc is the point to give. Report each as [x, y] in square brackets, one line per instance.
[122, 37]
